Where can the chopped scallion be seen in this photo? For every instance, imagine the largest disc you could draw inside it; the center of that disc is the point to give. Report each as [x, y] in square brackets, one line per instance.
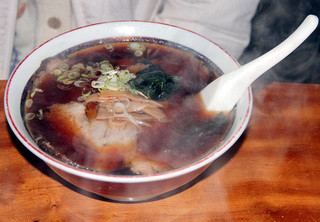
[29, 116]
[138, 53]
[136, 46]
[29, 103]
[73, 75]
[56, 72]
[109, 47]
[64, 66]
[67, 81]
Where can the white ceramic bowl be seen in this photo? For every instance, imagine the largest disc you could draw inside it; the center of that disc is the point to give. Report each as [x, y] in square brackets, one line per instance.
[124, 188]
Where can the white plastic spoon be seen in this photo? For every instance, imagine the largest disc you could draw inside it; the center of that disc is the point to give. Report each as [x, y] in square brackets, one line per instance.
[222, 94]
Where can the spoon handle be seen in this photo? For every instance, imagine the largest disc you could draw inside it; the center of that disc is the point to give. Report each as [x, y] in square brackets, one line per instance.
[223, 93]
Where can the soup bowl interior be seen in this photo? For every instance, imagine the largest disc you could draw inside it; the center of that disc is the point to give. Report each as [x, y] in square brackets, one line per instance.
[124, 188]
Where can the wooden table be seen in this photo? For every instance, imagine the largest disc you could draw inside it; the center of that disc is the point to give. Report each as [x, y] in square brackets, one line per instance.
[271, 174]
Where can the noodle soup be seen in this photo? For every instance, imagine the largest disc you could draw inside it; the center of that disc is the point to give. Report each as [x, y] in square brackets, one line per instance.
[124, 106]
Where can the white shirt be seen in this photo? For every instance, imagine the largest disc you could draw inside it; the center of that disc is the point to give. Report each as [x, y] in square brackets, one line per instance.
[228, 23]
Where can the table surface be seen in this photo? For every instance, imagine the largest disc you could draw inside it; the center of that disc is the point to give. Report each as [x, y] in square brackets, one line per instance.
[272, 173]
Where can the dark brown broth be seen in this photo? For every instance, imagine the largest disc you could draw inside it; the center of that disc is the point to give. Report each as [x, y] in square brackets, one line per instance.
[163, 142]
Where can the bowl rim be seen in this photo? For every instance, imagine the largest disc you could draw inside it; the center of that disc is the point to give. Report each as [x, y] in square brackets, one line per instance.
[124, 178]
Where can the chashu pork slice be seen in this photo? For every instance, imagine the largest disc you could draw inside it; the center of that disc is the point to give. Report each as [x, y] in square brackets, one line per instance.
[97, 144]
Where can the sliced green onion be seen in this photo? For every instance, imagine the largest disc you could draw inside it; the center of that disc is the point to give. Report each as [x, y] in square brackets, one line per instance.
[105, 65]
[86, 93]
[29, 103]
[60, 78]
[40, 115]
[38, 90]
[103, 78]
[35, 91]
[79, 83]
[32, 94]
[57, 72]
[67, 81]
[89, 68]
[114, 79]
[138, 53]
[102, 89]
[78, 66]
[136, 46]
[111, 73]
[112, 86]
[97, 84]
[124, 77]
[64, 66]
[73, 74]
[84, 79]
[85, 75]
[29, 116]
[109, 47]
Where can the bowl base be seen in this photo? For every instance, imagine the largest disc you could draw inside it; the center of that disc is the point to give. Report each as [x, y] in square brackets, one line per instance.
[129, 199]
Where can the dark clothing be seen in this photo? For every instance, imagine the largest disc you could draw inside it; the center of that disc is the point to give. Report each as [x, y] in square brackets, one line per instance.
[273, 22]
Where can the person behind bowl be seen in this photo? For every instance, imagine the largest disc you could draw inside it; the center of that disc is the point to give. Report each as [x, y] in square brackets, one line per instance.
[273, 22]
[26, 24]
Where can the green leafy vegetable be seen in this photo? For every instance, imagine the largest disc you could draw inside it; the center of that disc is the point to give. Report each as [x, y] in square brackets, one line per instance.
[153, 82]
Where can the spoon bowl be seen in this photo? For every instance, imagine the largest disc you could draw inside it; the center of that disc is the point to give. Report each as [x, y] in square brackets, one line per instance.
[223, 93]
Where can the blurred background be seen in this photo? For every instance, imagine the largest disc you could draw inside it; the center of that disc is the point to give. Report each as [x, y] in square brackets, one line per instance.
[275, 20]
[244, 28]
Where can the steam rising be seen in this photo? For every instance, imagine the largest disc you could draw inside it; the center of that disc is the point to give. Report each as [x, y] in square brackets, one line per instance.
[273, 23]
